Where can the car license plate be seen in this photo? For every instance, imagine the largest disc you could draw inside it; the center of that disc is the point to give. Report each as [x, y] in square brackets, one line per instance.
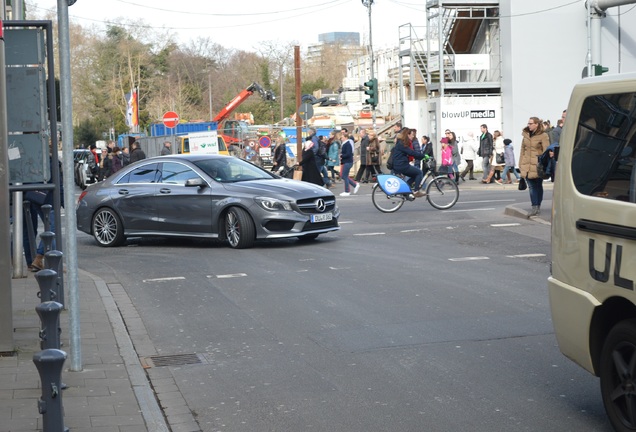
[325, 217]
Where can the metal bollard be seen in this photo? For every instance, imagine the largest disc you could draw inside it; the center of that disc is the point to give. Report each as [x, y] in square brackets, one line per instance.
[53, 261]
[46, 281]
[50, 331]
[49, 364]
[46, 215]
[47, 237]
[26, 205]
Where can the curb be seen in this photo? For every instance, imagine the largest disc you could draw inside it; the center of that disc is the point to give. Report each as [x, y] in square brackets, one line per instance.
[150, 410]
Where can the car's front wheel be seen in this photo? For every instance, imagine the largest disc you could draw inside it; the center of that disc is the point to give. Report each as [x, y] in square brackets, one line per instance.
[107, 228]
[239, 228]
[618, 376]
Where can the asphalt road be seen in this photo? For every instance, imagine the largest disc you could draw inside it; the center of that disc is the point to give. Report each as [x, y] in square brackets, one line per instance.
[418, 320]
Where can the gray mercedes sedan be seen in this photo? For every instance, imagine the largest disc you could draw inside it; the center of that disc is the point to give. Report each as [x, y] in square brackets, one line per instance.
[204, 196]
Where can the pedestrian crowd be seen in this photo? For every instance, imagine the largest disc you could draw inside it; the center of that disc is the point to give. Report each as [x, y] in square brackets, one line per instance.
[113, 158]
[327, 160]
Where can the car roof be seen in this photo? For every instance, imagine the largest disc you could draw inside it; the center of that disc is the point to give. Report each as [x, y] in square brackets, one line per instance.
[189, 157]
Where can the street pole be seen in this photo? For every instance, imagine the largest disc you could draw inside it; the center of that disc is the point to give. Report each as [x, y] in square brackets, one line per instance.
[210, 92]
[299, 119]
[70, 250]
[368, 4]
[6, 304]
[280, 79]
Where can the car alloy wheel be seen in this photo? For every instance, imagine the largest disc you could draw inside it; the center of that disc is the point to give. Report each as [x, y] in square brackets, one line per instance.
[107, 228]
[239, 228]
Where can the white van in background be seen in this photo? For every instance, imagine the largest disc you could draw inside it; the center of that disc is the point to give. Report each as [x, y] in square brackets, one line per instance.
[593, 273]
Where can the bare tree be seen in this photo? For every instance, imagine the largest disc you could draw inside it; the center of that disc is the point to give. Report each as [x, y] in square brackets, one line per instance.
[281, 57]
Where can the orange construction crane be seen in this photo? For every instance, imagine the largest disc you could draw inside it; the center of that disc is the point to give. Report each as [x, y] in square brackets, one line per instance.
[233, 131]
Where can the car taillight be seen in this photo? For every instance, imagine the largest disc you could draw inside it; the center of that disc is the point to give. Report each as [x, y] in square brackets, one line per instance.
[81, 197]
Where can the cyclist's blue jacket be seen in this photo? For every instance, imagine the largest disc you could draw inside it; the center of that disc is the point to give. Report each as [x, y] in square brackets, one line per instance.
[401, 155]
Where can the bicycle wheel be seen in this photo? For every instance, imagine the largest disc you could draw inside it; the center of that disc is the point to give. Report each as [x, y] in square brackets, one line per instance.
[386, 203]
[442, 193]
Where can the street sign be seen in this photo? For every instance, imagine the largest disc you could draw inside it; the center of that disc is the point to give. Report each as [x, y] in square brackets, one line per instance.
[265, 141]
[305, 111]
[170, 119]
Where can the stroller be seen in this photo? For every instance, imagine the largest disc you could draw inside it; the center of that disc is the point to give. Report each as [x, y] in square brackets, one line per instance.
[286, 172]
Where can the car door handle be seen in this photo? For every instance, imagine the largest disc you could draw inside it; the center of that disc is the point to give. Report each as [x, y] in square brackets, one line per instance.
[165, 190]
[123, 191]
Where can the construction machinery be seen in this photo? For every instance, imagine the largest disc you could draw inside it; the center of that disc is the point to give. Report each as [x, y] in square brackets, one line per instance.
[235, 132]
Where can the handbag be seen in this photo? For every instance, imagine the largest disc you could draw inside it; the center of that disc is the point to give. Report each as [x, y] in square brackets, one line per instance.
[375, 157]
[298, 174]
[522, 184]
[541, 170]
[500, 158]
[36, 197]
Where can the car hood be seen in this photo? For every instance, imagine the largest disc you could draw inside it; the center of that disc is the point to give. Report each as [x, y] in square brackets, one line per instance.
[278, 188]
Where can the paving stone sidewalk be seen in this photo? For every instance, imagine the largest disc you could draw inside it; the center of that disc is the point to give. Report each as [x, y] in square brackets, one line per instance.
[110, 394]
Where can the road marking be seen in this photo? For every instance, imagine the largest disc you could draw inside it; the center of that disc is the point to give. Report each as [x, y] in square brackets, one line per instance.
[339, 268]
[163, 279]
[470, 210]
[505, 225]
[228, 276]
[370, 234]
[415, 230]
[488, 201]
[526, 256]
[475, 258]
[345, 222]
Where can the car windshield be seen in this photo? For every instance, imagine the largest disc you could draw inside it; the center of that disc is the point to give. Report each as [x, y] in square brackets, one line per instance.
[231, 170]
[79, 155]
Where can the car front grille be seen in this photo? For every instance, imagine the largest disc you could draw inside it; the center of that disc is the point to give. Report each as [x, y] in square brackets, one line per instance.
[309, 206]
[320, 225]
[279, 225]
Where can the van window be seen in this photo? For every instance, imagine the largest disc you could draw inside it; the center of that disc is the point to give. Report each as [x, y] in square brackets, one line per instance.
[605, 147]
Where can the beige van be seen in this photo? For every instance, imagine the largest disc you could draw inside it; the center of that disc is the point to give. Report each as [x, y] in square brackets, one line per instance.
[594, 240]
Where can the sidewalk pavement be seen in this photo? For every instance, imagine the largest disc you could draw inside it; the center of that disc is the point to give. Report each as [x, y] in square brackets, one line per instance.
[112, 393]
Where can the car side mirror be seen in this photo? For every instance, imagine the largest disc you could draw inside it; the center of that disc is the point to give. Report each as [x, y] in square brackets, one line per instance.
[196, 182]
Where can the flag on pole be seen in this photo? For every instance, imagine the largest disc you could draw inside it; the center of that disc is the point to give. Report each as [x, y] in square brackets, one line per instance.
[129, 109]
[132, 111]
[135, 108]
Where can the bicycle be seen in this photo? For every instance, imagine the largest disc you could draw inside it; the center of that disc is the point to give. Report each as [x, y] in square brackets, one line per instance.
[391, 191]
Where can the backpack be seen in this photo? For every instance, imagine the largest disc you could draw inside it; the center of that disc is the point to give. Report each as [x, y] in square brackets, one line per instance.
[322, 150]
[389, 161]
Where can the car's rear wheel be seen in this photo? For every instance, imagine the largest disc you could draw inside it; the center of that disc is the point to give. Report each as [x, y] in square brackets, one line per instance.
[239, 228]
[107, 228]
[618, 376]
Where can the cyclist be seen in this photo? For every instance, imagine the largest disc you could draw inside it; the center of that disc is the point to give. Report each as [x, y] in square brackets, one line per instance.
[401, 164]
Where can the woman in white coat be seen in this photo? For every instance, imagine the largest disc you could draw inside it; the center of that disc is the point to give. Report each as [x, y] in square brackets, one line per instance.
[498, 148]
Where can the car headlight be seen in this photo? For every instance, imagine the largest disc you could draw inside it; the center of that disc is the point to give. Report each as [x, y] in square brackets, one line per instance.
[273, 204]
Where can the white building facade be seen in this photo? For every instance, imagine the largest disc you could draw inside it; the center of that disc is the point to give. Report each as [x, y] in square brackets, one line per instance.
[502, 62]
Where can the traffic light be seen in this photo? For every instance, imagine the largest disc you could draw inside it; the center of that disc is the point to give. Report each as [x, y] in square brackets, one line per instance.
[372, 91]
[599, 70]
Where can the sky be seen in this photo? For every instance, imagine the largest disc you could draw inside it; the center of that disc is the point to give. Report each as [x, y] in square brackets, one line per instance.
[242, 24]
